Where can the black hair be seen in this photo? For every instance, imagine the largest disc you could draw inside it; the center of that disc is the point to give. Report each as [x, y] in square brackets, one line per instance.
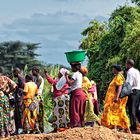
[29, 77]
[1, 70]
[17, 70]
[35, 68]
[76, 65]
[117, 67]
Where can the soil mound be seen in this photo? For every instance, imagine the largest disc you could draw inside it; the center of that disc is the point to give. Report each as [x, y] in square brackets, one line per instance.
[95, 133]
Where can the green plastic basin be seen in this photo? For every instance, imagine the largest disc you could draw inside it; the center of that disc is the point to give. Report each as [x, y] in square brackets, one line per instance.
[75, 56]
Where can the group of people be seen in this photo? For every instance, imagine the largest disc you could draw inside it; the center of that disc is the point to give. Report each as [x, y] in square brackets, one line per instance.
[22, 106]
[114, 114]
[75, 102]
[75, 98]
[21, 103]
[83, 104]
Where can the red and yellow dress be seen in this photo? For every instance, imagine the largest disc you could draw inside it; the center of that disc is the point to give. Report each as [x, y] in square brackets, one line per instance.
[114, 114]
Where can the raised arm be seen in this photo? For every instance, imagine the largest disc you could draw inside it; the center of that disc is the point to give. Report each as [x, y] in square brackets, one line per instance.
[49, 78]
[11, 83]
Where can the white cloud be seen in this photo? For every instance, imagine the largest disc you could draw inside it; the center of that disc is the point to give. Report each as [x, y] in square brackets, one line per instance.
[56, 24]
[57, 33]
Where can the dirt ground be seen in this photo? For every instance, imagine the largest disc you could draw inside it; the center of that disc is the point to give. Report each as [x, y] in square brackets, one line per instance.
[95, 133]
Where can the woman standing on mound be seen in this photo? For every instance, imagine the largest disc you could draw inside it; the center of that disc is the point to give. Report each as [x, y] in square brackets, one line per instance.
[114, 114]
[77, 99]
[29, 118]
[60, 119]
[89, 117]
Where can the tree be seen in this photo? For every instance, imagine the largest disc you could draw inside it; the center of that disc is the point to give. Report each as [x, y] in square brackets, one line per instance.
[136, 2]
[18, 54]
[118, 40]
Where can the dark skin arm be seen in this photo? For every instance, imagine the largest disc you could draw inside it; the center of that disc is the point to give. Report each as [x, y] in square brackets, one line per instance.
[49, 78]
[24, 93]
[69, 80]
[118, 94]
[38, 82]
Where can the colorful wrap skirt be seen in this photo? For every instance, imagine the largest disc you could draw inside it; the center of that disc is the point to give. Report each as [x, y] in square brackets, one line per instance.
[60, 117]
[29, 118]
[4, 116]
[40, 109]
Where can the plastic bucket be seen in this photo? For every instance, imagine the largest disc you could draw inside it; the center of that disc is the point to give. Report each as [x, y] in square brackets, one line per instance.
[75, 56]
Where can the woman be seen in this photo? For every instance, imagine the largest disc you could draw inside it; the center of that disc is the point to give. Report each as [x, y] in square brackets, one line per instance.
[61, 102]
[77, 100]
[89, 116]
[12, 126]
[6, 87]
[29, 118]
[114, 114]
[93, 90]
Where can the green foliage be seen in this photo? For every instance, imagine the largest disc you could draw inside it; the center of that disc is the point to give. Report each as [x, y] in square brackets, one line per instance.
[17, 54]
[48, 96]
[136, 2]
[111, 43]
[92, 34]
[53, 72]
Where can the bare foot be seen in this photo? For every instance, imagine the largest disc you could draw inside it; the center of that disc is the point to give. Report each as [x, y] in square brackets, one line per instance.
[98, 122]
[128, 131]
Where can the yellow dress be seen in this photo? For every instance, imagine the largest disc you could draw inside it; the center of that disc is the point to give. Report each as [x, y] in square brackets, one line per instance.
[29, 118]
[114, 114]
[89, 115]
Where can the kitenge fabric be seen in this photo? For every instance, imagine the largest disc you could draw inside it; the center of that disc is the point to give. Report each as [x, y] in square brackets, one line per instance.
[60, 117]
[114, 114]
[29, 119]
[7, 123]
[4, 115]
[89, 115]
[40, 107]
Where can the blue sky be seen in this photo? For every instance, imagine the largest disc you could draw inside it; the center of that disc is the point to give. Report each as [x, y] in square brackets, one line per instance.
[56, 24]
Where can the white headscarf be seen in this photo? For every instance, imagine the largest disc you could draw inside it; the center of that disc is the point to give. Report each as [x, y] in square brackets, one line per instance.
[63, 71]
[62, 80]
